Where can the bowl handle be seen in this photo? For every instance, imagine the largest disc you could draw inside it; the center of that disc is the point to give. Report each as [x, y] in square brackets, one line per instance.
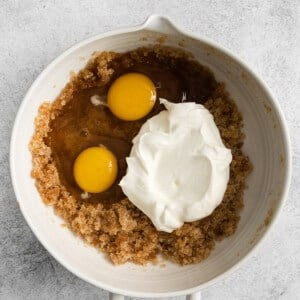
[160, 24]
[113, 296]
[194, 296]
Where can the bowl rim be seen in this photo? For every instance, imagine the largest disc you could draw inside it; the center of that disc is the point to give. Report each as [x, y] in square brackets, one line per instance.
[146, 25]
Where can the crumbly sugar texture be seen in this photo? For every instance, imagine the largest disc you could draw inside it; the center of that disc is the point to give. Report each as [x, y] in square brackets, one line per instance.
[121, 230]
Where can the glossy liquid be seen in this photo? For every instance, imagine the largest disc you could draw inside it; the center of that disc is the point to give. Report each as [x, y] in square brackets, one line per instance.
[81, 124]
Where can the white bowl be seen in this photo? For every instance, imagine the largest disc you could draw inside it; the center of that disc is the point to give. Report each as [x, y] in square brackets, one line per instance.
[266, 143]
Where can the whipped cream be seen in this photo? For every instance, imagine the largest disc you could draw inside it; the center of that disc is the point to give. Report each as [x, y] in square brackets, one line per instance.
[178, 168]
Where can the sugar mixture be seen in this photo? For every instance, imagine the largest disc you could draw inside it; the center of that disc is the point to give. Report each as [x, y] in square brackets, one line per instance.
[73, 122]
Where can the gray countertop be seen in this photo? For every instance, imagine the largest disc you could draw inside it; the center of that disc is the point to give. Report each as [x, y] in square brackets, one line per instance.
[266, 34]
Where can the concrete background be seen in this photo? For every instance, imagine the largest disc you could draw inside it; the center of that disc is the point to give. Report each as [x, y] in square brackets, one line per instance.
[266, 34]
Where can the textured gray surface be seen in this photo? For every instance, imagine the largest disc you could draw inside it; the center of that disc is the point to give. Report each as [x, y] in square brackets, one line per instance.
[264, 33]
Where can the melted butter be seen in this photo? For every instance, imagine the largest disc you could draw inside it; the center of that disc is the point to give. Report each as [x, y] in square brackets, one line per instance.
[81, 124]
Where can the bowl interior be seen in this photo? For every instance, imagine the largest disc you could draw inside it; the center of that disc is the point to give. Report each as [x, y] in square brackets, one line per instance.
[265, 144]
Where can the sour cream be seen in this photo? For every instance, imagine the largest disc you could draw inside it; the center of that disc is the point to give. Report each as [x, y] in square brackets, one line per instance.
[178, 168]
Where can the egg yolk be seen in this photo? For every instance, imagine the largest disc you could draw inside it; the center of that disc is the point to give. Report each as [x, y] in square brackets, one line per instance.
[131, 96]
[95, 169]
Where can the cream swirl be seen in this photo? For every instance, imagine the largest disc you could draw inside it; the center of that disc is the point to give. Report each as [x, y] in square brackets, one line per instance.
[178, 168]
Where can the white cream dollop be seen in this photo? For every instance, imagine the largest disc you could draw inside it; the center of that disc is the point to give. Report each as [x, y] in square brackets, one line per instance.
[178, 168]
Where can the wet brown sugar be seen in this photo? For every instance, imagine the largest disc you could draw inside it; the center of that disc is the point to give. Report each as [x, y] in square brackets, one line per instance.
[108, 220]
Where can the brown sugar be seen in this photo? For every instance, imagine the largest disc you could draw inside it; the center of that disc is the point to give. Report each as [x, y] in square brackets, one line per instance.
[110, 221]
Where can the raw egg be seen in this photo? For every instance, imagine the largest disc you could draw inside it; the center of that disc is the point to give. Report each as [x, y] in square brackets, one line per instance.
[95, 169]
[131, 96]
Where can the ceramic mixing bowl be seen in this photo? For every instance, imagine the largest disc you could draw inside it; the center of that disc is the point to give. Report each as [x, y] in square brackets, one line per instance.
[266, 144]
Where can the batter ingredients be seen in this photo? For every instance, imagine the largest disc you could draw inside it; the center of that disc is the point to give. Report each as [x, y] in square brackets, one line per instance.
[72, 124]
